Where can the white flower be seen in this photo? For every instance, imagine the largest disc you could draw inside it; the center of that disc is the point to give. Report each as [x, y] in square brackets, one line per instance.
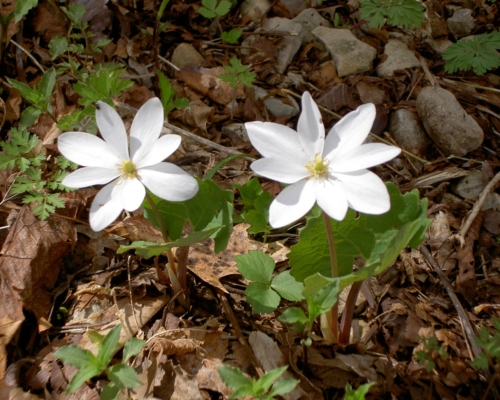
[331, 172]
[109, 160]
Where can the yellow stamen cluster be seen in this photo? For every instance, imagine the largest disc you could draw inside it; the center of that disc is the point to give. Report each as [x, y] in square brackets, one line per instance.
[318, 168]
[128, 169]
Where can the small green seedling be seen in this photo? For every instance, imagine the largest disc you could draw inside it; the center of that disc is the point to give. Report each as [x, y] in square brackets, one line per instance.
[38, 96]
[407, 13]
[121, 376]
[214, 8]
[359, 393]
[266, 387]
[167, 95]
[232, 36]
[490, 357]
[479, 53]
[23, 7]
[237, 73]
[256, 202]
[432, 350]
[264, 292]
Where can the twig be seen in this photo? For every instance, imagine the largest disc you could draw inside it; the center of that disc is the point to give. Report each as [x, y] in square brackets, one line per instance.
[28, 54]
[477, 207]
[130, 294]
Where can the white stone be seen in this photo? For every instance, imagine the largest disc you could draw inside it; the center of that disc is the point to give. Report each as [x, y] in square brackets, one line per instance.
[398, 57]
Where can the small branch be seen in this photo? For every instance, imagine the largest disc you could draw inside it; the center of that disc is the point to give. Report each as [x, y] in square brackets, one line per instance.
[333, 317]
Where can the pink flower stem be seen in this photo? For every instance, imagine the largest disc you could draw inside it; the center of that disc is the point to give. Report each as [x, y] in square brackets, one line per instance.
[333, 322]
[350, 304]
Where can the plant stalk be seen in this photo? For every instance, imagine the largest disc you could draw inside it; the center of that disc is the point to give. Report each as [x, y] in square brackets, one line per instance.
[333, 314]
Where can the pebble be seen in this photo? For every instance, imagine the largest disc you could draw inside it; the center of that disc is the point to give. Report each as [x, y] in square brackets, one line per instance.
[453, 130]
[461, 23]
[275, 105]
[407, 130]
[470, 186]
[287, 47]
[351, 56]
[398, 57]
[310, 19]
[185, 55]
[254, 10]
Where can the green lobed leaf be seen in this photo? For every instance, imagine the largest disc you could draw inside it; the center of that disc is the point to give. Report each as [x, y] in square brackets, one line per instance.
[232, 36]
[287, 287]
[108, 346]
[200, 211]
[406, 13]
[123, 376]
[29, 116]
[152, 249]
[359, 393]
[73, 355]
[256, 266]
[132, 347]
[262, 298]
[296, 317]
[223, 8]
[311, 255]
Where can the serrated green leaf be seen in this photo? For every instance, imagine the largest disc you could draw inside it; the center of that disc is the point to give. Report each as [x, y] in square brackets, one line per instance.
[73, 355]
[152, 249]
[25, 91]
[206, 12]
[287, 287]
[359, 393]
[265, 381]
[256, 266]
[262, 298]
[406, 13]
[108, 346]
[123, 376]
[232, 36]
[283, 386]
[223, 8]
[6, 161]
[234, 378]
[23, 7]
[132, 347]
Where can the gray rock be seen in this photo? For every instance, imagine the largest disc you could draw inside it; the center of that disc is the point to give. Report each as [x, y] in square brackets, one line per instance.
[254, 10]
[310, 19]
[406, 129]
[351, 56]
[461, 23]
[453, 130]
[185, 54]
[470, 186]
[235, 132]
[276, 106]
[287, 47]
[439, 45]
[398, 57]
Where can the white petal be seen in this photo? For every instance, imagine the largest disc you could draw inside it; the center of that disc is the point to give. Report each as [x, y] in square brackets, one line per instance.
[280, 169]
[292, 203]
[112, 129]
[364, 156]
[146, 128]
[163, 147]
[350, 132]
[365, 192]
[89, 176]
[129, 193]
[87, 150]
[331, 199]
[104, 210]
[273, 140]
[310, 127]
[169, 182]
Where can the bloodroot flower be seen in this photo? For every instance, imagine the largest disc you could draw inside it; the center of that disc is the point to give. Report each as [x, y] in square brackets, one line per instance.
[125, 171]
[331, 172]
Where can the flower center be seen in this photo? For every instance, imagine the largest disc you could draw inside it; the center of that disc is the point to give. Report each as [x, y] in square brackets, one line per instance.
[128, 169]
[318, 168]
